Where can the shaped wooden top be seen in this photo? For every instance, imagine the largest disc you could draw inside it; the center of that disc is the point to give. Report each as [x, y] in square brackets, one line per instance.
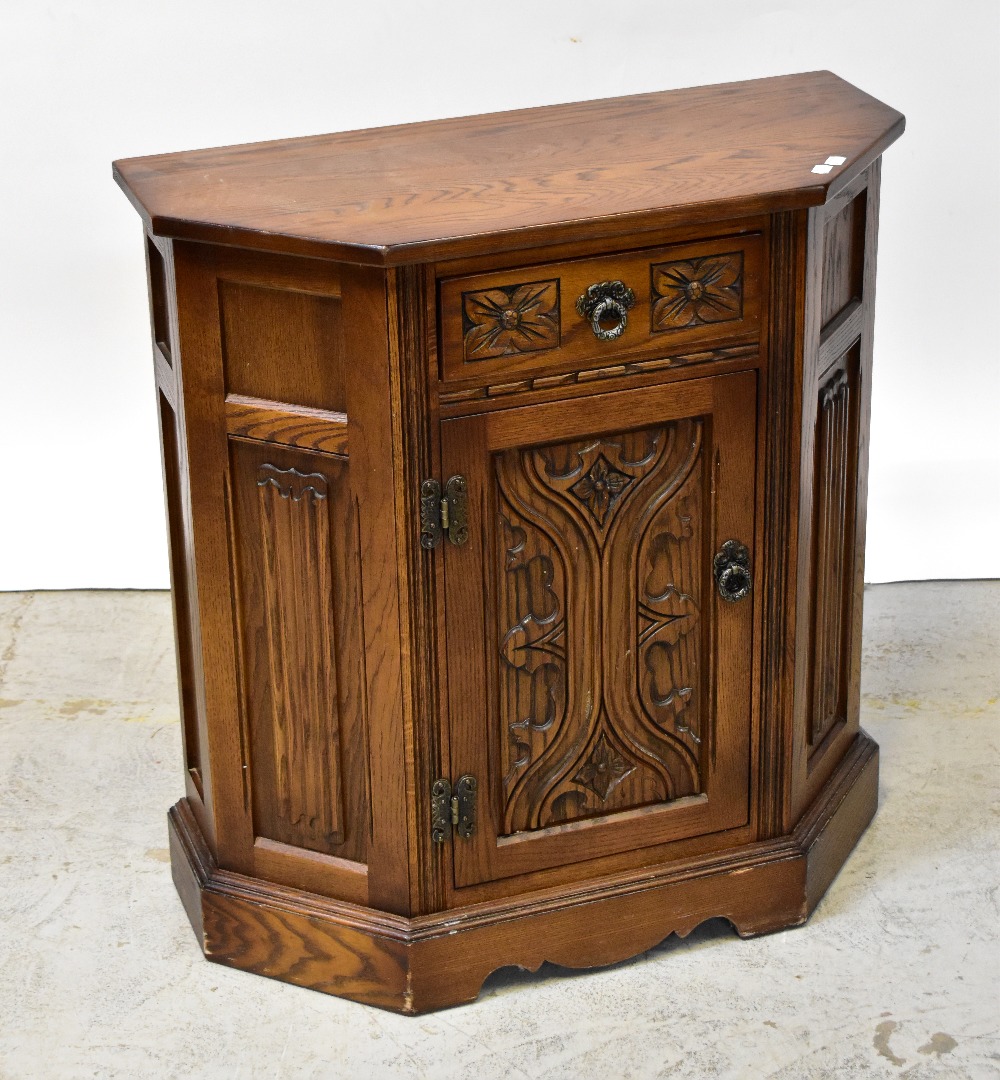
[503, 181]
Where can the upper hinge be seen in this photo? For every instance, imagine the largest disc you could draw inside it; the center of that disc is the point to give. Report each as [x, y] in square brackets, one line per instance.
[446, 514]
[453, 808]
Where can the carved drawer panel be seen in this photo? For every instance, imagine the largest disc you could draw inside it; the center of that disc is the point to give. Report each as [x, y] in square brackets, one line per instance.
[587, 314]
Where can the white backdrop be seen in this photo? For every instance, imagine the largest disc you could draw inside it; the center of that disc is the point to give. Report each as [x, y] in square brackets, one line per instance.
[85, 81]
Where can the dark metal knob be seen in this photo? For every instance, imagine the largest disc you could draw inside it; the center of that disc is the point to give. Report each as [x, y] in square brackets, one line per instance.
[732, 571]
[604, 300]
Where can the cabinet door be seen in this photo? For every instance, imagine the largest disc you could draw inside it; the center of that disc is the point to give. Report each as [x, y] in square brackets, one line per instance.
[598, 686]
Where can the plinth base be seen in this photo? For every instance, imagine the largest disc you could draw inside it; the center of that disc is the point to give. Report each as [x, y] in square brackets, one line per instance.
[435, 961]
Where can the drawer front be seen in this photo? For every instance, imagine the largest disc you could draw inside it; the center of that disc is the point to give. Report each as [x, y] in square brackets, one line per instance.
[525, 321]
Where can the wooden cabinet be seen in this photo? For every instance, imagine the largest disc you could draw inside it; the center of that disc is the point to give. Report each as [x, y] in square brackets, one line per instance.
[515, 473]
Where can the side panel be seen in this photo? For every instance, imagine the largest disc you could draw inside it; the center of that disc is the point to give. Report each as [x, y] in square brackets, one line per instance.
[836, 402]
[170, 411]
[181, 594]
[293, 582]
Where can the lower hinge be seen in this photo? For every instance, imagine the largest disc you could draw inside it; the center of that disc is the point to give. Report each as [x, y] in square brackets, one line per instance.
[444, 514]
[453, 808]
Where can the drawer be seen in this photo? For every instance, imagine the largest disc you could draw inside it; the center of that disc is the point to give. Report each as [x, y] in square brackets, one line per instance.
[526, 321]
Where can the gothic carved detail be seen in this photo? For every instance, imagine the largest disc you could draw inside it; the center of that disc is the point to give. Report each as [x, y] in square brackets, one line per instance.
[292, 484]
[603, 770]
[668, 657]
[688, 292]
[831, 545]
[599, 608]
[302, 681]
[512, 319]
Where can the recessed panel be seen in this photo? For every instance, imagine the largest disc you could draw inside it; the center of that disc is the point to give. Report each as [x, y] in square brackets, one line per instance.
[833, 544]
[181, 593]
[843, 258]
[158, 306]
[283, 345]
[596, 537]
[297, 551]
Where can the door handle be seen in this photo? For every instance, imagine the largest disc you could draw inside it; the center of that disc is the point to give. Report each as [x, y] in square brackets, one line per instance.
[732, 571]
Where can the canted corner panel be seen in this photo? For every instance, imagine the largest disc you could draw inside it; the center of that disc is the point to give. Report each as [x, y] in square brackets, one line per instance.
[833, 544]
[599, 698]
[297, 553]
[510, 319]
[283, 345]
[694, 292]
[843, 257]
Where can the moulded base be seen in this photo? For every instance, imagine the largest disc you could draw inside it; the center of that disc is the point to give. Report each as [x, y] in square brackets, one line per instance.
[435, 961]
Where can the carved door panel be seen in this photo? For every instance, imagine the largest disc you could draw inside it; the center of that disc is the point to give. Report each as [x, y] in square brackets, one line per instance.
[598, 686]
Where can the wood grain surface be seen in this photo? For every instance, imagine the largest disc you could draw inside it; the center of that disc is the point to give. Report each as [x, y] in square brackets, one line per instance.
[647, 754]
[836, 404]
[452, 187]
[290, 425]
[566, 615]
[414, 965]
[565, 341]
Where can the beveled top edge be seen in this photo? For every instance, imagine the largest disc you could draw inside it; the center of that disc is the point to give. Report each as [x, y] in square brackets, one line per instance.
[530, 177]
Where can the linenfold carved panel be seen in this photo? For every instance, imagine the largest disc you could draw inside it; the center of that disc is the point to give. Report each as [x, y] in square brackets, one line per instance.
[297, 586]
[299, 613]
[833, 542]
[600, 695]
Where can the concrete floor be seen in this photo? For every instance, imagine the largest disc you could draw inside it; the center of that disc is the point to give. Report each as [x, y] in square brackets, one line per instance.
[896, 974]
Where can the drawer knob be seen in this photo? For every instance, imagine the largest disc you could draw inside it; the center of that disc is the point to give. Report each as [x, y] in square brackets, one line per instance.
[732, 571]
[606, 301]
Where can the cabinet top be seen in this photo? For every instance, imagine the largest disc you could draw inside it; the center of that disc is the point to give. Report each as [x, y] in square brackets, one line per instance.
[510, 180]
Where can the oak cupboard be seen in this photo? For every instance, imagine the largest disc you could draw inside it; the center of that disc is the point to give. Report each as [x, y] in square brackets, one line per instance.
[515, 469]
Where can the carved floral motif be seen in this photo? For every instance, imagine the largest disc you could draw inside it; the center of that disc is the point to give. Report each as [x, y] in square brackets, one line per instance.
[513, 319]
[688, 292]
[600, 488]
[604, 770]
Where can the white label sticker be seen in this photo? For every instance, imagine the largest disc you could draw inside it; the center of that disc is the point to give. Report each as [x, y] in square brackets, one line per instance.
[822, 168]
[834, 160]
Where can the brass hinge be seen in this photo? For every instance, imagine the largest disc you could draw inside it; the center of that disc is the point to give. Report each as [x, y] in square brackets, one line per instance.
[446, 514]
[453, 808]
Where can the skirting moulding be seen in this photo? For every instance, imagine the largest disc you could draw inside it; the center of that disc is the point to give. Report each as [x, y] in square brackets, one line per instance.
[515, 469]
